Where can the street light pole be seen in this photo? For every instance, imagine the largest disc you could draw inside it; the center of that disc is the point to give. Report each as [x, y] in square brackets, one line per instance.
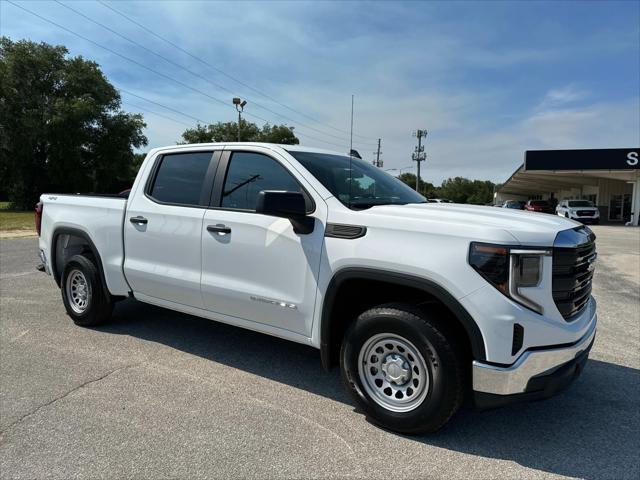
[239, 103]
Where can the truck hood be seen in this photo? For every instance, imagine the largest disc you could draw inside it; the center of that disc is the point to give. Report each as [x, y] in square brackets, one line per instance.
[526, 228]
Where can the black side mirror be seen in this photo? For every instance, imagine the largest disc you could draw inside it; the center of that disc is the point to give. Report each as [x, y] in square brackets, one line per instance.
[289, 205]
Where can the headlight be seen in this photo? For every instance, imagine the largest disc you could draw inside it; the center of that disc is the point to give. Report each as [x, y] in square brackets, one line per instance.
[509, 269]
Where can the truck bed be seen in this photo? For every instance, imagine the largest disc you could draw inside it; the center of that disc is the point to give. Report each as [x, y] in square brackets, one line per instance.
[97, 218]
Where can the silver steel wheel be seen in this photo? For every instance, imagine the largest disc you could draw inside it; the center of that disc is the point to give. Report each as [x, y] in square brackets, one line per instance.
[393, 372]
[78, 291]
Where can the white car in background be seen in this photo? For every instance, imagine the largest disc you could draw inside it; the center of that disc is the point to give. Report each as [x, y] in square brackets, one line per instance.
[580, 210]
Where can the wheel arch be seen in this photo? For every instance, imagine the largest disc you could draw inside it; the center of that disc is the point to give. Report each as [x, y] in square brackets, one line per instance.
[329, 324]
[85, 244]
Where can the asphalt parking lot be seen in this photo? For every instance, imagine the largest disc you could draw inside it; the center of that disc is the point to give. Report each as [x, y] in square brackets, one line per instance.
[157, 394]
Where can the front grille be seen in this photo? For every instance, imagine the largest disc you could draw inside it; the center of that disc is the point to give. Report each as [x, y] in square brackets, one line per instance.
[574, 255]
[586, 213]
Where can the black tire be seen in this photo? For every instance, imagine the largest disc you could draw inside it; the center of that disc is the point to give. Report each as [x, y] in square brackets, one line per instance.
[98, 306]
[443, 356]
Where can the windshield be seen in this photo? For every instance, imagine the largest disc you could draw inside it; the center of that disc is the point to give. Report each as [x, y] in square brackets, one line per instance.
[369, 186]
[580, 203]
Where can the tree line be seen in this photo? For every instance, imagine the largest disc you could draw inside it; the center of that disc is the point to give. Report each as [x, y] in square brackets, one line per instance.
[63, 129]
[457, 189]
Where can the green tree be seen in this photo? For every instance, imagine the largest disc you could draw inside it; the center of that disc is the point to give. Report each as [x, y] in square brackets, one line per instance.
[408, 178]
[62, 128]
[427, 189]
[280, 134]
[249, 132]
[458, 189]
[463, 190]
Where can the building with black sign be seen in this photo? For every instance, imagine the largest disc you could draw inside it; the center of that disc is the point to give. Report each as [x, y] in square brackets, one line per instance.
[610, 178]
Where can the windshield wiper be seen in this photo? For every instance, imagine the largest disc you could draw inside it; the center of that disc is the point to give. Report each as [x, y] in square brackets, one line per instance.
[364, 205]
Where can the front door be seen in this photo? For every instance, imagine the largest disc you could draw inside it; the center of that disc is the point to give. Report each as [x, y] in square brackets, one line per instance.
[255, 267]
[163, 228]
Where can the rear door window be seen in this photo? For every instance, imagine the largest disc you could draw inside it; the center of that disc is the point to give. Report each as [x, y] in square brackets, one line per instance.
[180, 178]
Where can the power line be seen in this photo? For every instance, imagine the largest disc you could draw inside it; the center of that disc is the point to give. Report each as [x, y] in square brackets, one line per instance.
[155, 71]
[154, 113]
[118, 54]
[187, 69]
[162, 105]
[222, 72]
[207, 122]
[195, 74]
[199, 120]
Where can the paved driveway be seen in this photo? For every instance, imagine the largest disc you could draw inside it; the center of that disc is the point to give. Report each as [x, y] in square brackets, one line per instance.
[156, 394]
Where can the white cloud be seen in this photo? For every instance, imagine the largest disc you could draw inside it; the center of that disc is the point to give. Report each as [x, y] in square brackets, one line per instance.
[559, 97]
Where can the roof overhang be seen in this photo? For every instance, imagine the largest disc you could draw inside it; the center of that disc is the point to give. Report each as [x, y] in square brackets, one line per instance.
[553, 170]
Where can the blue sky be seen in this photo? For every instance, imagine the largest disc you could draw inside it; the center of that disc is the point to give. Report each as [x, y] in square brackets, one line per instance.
[488, 80]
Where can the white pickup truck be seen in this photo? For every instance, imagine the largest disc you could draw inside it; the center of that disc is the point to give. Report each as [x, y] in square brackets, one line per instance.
[421, 304]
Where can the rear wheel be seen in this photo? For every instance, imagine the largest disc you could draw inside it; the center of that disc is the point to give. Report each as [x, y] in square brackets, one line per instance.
[83, 294]
[402, 369]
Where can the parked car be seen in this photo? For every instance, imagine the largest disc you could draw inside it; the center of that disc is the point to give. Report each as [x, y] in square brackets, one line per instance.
[581, 210]
[438, 200]
[419, 305]
[513, 204]
[539, 206]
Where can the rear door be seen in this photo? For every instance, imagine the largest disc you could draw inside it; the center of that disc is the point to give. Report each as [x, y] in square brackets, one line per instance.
[254, 266]
[163, 227]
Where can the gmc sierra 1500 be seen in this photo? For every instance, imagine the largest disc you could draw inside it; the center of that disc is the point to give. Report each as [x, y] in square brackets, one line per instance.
[420, 303]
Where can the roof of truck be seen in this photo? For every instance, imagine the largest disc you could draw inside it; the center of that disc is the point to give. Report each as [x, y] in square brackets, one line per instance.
[274, 146]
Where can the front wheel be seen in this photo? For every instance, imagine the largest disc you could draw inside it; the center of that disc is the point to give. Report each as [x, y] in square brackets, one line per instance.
[402, 369]
[83, 294]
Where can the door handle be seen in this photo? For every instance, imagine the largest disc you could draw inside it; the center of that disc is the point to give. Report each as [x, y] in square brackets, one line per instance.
[221, 229]
[138, 220]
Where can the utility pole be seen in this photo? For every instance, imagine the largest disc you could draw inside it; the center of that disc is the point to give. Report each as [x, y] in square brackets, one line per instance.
[418, 155]
[377, 162]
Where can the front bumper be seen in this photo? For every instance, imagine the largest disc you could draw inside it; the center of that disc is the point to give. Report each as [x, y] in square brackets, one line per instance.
[585, 218]
[538, 372]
